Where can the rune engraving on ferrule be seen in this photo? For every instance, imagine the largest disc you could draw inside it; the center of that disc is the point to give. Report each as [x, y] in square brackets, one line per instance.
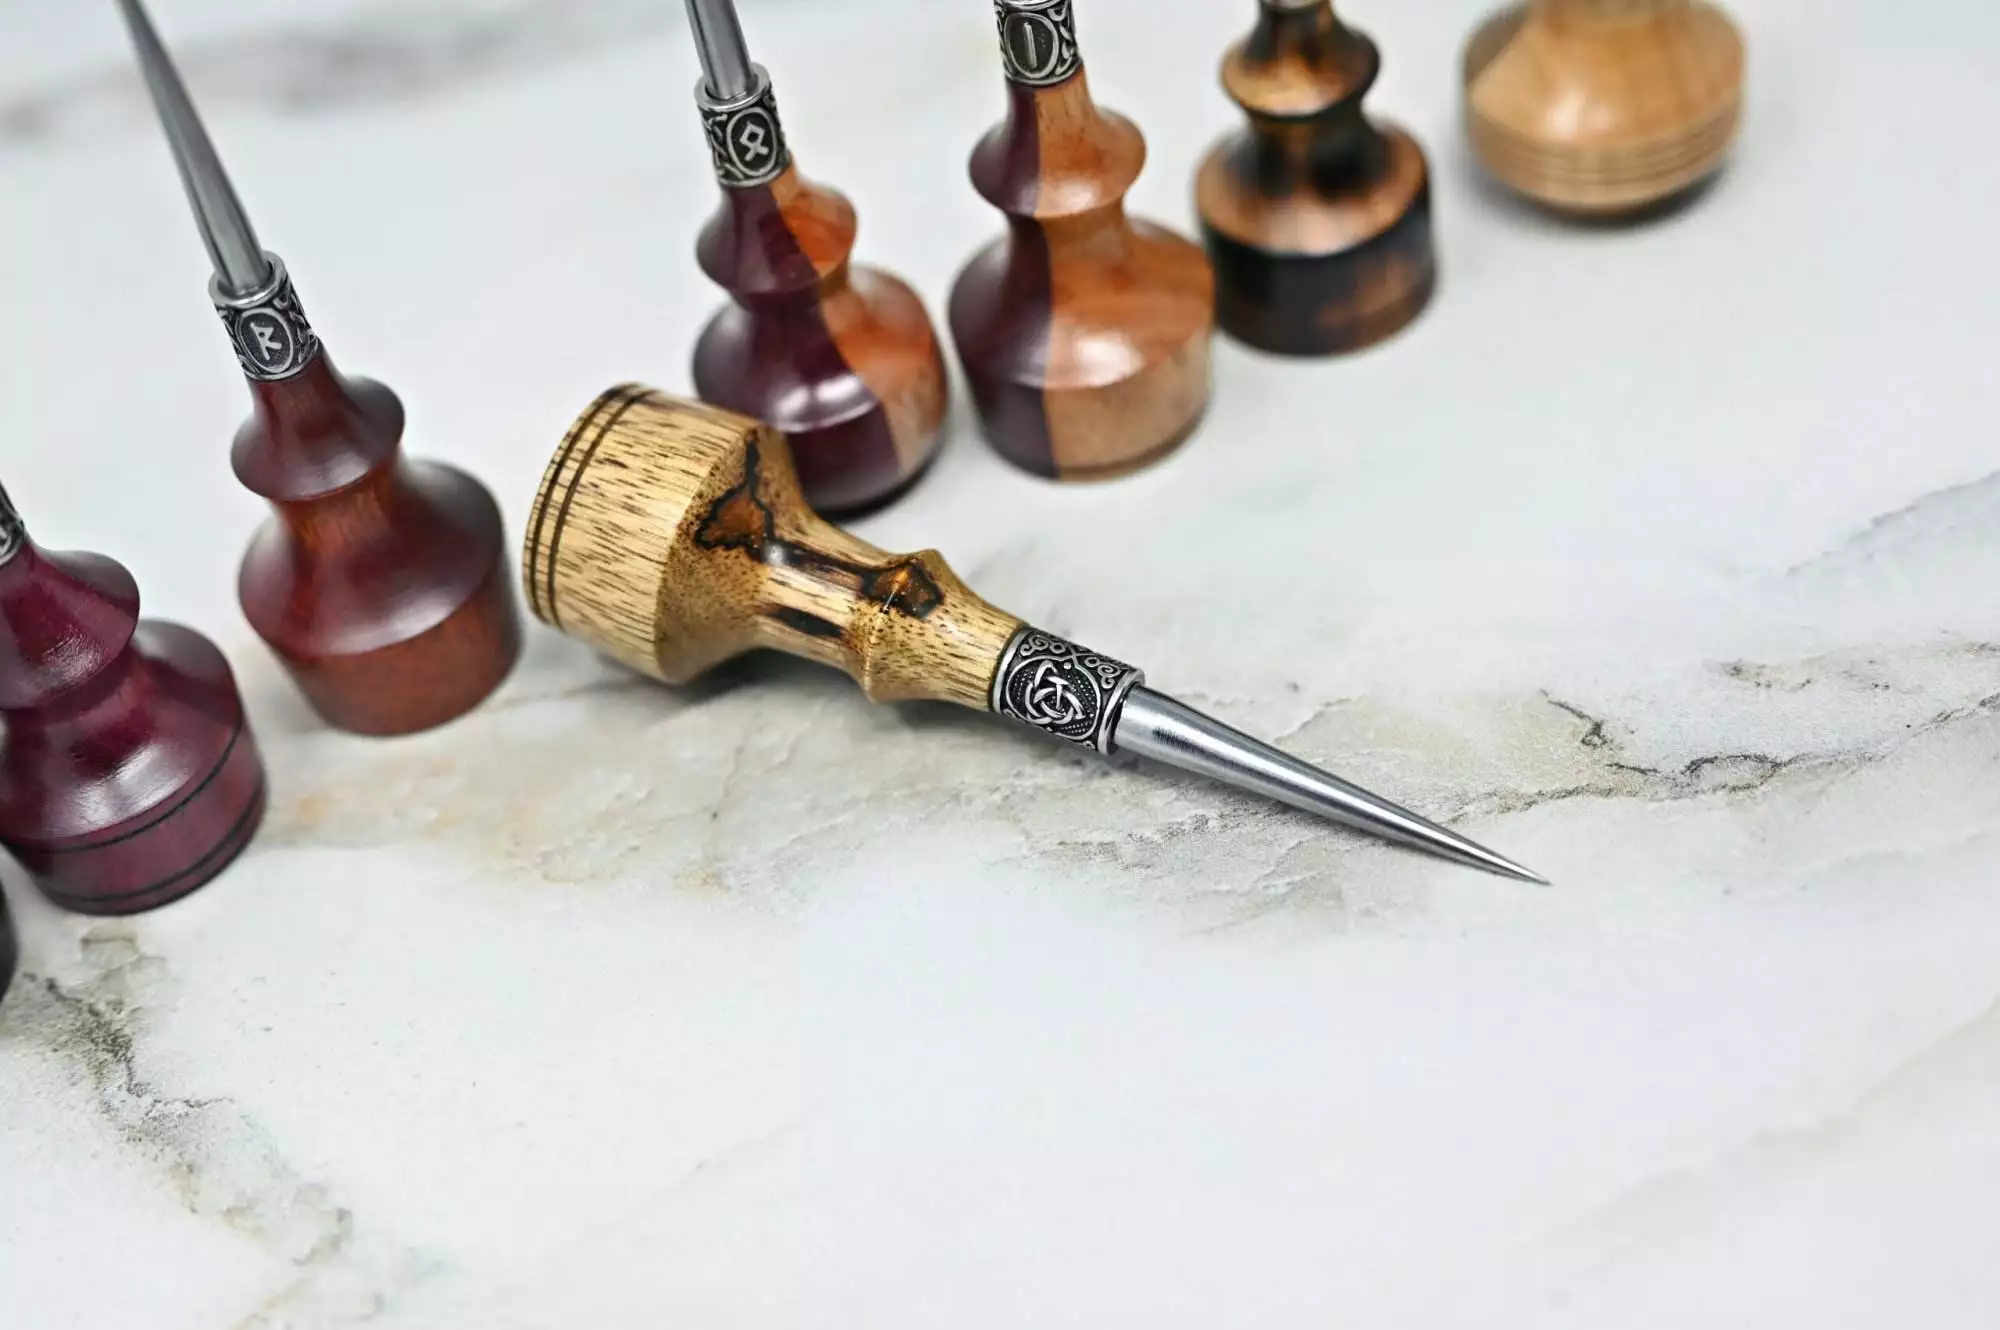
[268, 328]
[1062, 689]
[744, 136]
[1038, 41]
[13, 531]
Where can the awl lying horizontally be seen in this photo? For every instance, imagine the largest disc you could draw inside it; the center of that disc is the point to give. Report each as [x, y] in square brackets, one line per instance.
[672, 536]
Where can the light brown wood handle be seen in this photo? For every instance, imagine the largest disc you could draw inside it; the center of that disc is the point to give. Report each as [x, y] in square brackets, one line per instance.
[673, 536]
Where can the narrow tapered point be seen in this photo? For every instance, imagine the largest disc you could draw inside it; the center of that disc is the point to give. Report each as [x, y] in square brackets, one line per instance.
[1506, 867]
[1156, 726]
[1424, 834]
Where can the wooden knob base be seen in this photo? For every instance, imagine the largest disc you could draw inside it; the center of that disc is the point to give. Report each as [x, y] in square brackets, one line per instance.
[1084, 334]
[1317, 219]
[842, 360]
[1300, 305]
[129, 776]
[381, 584]
[1604, 107]
[1115, 382]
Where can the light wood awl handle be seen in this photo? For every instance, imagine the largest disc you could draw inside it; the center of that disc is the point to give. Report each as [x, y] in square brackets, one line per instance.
[673, 536]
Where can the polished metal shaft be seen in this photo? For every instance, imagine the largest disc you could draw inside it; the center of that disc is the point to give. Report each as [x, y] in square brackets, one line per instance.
[1154, 725]
[241, 266]
[725, 57]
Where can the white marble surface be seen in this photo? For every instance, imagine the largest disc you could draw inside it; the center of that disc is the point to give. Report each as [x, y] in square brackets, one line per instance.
[1664, 559]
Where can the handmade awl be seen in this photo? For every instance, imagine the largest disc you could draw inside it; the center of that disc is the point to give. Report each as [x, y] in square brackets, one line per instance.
[672, 536]
[379, 581]
[840, 356]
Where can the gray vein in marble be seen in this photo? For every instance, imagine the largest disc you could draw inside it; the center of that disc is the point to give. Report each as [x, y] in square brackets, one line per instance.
[1940, 513]
[219, 1162]
[386, 54]
[805, 776]
[1950, 1077]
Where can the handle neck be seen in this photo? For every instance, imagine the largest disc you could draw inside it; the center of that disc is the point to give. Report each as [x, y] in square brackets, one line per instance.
[65, 620]
[777, 244]
[1057, 154]
[316, 433]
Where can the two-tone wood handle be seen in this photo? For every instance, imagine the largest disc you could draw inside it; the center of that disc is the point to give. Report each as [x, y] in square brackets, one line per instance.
[672, 536]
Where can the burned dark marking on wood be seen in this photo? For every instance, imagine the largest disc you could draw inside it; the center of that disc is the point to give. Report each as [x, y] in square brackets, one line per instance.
[741, 519]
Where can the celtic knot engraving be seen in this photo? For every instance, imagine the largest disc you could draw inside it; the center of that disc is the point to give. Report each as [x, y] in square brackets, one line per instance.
[1037, 41]
[744, 136]
[268, 329]
[13, 531]
[1061, 688]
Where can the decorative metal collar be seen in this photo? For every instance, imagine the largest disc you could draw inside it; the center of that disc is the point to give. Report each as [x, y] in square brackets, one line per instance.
[1062, 689]
[744, 136]
[268, 326]
[13, 532]
[1038, 41]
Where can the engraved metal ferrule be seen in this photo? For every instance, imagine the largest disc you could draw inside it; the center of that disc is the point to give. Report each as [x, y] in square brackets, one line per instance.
[1038, 41]
[1062, 689]
[267, 326]
[13, 532]
[744, 136]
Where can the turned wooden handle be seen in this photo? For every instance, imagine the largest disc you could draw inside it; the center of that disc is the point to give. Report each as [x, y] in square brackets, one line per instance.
[673, 536]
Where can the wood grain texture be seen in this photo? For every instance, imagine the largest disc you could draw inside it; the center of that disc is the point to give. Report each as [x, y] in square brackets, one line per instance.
[1084, 335]
[379, 582]
[1603, 107]
[1317, 219]
[842, 360]
[128, 775]
[673, 535]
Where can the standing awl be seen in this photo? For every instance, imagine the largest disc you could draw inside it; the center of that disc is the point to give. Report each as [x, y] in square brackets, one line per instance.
[840, 356]
[379, 582]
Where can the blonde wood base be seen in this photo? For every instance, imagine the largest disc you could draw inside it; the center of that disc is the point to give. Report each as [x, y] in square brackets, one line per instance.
[1602, 107]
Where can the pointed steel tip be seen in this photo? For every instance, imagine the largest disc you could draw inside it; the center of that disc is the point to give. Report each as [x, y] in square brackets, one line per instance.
[1522, 874]
[1155, 725]
[1472, 854]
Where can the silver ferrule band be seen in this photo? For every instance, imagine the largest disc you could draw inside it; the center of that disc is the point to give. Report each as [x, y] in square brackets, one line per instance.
[745, 137]
[267, 326]
[13, 531]
[1038, 41]
[1057, 687]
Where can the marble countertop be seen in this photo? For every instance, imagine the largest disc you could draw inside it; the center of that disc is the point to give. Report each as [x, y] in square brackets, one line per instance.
[1663, 559]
